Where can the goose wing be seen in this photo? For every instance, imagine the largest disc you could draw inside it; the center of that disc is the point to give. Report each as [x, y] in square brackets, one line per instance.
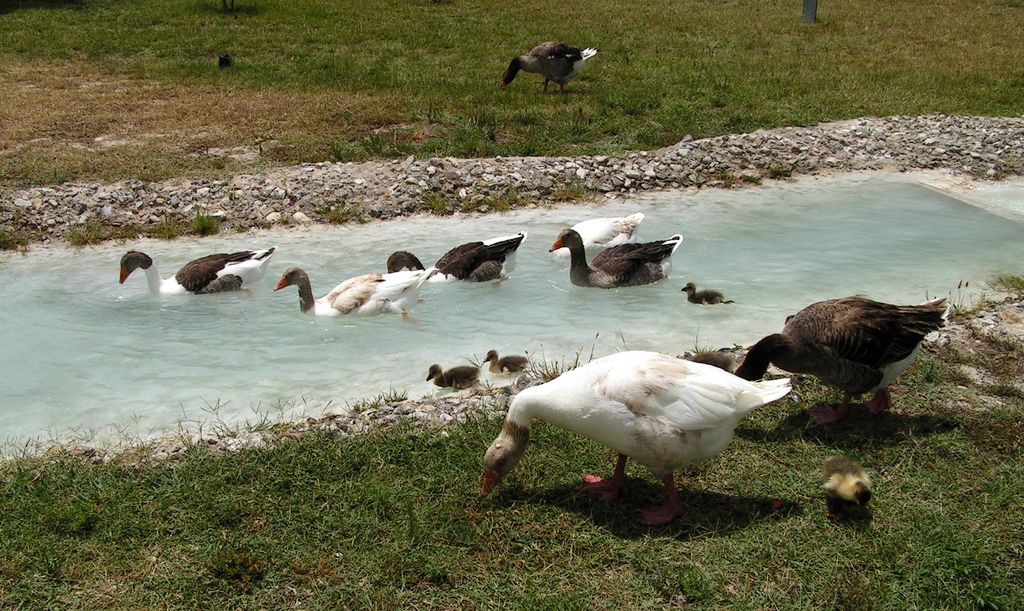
[624, 260]
[198, 273]
[353, 293]
[686, 395]
[865, 331]
[462, 260]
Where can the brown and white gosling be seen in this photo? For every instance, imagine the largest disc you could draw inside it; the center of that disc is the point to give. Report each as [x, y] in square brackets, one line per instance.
[457, 378]
[507, 364]
[846, 484]
[703, 297]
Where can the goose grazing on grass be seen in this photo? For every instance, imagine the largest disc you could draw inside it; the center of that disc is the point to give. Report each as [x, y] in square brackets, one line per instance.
[661, 411]
[456, 378]
[479, 261]
[402, 261]
[363, 295]
[511, 363]
[703, 297]
[605, 232]
[854, 344]
[555, 61]
[624, 265]
[210, 274]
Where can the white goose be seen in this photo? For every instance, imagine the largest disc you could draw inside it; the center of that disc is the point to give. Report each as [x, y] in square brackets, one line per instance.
[210, 274]
[363, 295]
[605, 232]
[661, 411]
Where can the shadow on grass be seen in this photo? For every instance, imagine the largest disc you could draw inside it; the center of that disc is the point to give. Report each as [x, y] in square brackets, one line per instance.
[10, 6]
[857, 430]
[705, 513]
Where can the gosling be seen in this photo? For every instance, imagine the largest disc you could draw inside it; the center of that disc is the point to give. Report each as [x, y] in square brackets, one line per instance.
[703, 297]
[722, 360]
[846, 484]
[457, 378]
[506, 364]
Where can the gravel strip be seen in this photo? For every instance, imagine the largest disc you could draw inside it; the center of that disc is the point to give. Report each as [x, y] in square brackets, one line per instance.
[978, 147]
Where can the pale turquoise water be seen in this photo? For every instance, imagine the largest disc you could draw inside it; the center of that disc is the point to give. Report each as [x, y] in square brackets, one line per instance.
[82, 352]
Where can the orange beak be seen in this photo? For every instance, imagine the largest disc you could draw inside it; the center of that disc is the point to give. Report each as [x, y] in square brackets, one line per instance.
[491, 480]
[502, 86]
[283, 282]
[124, 276]
[558, 244]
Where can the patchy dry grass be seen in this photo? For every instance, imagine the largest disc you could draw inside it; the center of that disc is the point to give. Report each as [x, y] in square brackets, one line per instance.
[104, 90]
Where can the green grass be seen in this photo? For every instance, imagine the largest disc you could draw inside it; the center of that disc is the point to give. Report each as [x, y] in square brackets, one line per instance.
[317, 79]
[11, 239]
[204, 225]
[1009, 283]
[394, 520]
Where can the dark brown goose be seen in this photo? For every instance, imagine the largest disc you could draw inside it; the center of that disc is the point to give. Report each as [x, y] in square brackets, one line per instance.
[854, 344]
[703, 297]
[457, 378]
[624, 265]
[210, 274]
[403, 261]
[511, 363]
[479, 261]
[555, 61]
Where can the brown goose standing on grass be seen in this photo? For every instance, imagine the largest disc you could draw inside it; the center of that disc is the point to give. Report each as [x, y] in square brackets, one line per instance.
[210, 274]
[854, 344]
[403, 261]
[623, 265]
[555, 61]
[479, 261]
[457, 378]
[703, 297]
[511, 363]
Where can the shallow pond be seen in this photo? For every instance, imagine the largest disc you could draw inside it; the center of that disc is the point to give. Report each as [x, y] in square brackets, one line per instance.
[82, 352]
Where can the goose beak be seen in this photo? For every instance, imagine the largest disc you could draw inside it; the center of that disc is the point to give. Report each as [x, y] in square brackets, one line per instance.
[283, 282]
[491, 480]
[558, 244]
[502, 86]
[124, 276]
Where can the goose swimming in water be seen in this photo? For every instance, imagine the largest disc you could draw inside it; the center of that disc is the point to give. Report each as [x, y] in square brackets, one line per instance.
[210, 274]
[854, 344]
[479, 261]
[605, 232]
[362, 295]
[624, 265]
[703, 297]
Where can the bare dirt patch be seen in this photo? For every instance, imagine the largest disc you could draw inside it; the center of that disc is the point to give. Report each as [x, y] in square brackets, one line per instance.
[59, 122]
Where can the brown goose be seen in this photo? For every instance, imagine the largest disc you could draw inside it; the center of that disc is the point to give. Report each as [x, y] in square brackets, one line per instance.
[401, 261]
[210, 274]
[479, 261]
[854, 344]
[703, 297]
[457, 378]
[623, 265]
[555, 61]
[507, 364]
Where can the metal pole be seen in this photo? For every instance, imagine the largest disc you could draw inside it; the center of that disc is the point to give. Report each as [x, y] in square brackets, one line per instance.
[810, 11]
